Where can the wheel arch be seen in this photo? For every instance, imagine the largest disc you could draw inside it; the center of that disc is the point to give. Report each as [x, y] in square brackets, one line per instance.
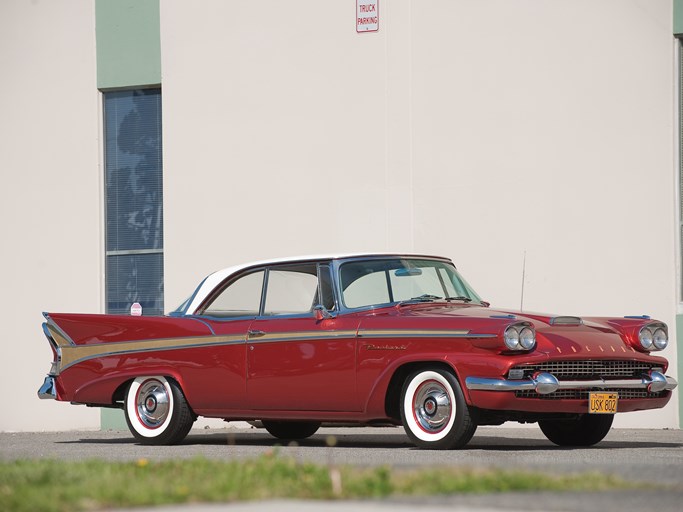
[392, 396]
[111, 389]
[119, 394]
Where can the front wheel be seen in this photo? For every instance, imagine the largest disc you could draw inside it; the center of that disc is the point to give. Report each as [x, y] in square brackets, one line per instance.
[156, 411]
[587, 430]
[291, 429]
[434, 412]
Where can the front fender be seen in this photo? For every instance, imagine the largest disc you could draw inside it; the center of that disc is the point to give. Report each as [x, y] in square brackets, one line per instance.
[375, 404]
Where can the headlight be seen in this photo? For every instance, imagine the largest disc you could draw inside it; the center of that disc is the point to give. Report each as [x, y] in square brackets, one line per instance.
[527, 338]
[645, 337]
[660, 339]
[512, 338]
[520, 337]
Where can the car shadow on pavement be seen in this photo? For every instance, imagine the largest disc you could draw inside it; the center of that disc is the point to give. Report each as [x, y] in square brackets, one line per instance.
[349, 441]
[496, 444]
[318, 440]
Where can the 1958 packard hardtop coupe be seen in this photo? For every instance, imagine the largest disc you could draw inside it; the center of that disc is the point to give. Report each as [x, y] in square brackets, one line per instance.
[369, 339]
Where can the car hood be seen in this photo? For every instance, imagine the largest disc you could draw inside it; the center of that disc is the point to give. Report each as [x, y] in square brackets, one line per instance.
[586, 337]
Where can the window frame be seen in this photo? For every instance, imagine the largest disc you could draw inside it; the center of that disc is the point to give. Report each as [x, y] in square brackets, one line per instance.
[223, 287]
[219, 289]
[104, 210]
[678, 187]
[338, 264]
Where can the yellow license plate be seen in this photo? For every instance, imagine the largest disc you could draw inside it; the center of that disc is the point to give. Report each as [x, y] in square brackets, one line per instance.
[603, 403]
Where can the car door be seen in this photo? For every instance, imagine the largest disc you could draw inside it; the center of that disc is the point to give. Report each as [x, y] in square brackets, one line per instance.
[295, 360]
[228, 314]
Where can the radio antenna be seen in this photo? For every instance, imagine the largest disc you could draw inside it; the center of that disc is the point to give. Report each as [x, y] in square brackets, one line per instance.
[521, 300]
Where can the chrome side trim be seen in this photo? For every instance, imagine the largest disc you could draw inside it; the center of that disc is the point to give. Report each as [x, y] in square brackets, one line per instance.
[259, 337]
[55, 333]
[47, 391]
[545, 383]
[417, 333]
[213, 333]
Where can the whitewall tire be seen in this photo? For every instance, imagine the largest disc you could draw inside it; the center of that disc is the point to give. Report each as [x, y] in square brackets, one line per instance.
[434, 412]
[156, 411]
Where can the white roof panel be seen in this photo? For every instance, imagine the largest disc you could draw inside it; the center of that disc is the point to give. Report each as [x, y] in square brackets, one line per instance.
[213, 280]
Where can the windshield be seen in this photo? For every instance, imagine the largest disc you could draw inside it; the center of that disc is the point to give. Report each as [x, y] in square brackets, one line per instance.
[381, 282]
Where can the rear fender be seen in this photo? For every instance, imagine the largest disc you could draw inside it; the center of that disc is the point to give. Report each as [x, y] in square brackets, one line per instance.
[111, 386]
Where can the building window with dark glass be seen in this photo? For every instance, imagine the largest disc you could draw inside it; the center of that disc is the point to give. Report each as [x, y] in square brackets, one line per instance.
[134, 201]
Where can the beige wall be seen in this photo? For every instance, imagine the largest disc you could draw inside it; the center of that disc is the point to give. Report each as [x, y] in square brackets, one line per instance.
[548, 127]
[274, 135]
[476, 130]
[49, 198]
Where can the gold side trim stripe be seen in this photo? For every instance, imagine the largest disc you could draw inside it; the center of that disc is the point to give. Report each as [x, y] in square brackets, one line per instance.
[59, 338]
[70, 355]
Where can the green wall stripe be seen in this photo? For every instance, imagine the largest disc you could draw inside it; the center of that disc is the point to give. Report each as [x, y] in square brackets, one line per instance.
[128, 55]
[128, 43]
[112, 419]
[678, 17]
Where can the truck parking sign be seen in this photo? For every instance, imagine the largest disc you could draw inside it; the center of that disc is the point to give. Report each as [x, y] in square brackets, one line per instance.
[367, 15]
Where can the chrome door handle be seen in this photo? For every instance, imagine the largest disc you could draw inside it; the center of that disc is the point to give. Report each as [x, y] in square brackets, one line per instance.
[255, 334]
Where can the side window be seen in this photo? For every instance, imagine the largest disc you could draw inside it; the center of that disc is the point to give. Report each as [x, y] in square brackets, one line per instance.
[240, 298]
[291, 291]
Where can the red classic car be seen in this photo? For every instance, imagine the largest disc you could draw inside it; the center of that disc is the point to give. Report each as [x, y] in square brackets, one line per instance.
[370, 339]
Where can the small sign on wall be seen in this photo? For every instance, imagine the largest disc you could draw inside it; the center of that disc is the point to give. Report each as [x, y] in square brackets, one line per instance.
[367, 15]
[136, 309]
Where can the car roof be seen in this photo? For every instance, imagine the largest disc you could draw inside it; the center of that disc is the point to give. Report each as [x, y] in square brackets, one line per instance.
[215, 278]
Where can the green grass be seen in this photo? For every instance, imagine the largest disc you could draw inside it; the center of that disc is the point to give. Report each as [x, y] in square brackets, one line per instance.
[51, 485]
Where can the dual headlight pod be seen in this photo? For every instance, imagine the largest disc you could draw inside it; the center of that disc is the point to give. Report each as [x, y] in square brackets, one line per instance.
[520, 337]
[653, 337]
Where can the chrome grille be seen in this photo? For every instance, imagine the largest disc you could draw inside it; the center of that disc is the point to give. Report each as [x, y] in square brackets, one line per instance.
[587, 369]
[582, 394]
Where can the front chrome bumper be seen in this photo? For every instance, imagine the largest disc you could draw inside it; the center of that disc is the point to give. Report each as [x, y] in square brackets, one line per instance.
[546, 383]
[48, 389]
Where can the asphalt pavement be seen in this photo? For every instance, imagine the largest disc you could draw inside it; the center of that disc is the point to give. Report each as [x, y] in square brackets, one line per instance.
[638, 455]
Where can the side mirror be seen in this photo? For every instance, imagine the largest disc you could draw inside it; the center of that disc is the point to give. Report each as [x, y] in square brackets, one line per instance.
[321, 313]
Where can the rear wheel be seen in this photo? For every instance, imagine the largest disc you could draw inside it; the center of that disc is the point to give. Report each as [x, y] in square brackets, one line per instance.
[434, 412]
[586, 430]
[156, 411]
[291, 429]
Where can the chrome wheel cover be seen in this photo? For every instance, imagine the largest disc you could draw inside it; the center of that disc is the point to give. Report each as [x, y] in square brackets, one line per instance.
[152, 403]
[432, 406]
